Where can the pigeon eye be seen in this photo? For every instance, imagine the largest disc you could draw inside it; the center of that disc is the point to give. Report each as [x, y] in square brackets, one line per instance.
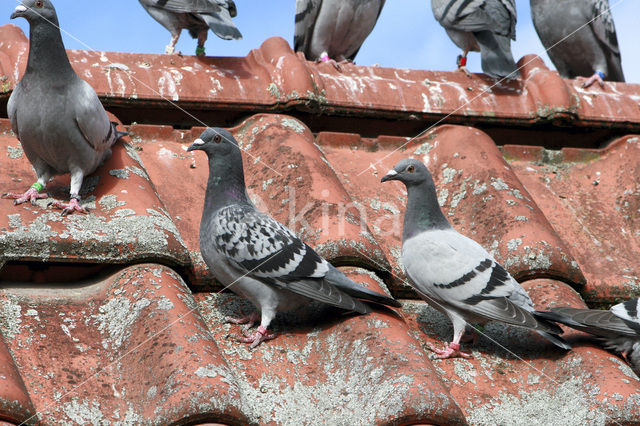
[217, 138]
[39, 4]
[411, 169]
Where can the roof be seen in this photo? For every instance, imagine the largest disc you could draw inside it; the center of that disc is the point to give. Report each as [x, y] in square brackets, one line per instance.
[114, 317]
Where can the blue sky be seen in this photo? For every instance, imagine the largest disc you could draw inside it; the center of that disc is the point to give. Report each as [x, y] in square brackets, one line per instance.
[406, 36]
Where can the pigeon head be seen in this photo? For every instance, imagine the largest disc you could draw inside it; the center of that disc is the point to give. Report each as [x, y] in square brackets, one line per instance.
[216, 142]
[410, 172]
[35, 10]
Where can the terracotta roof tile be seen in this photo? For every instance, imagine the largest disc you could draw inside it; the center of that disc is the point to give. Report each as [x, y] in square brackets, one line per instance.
[15, 403]
[130, 347]
[75, 300]
[365, 369]
[592, 199]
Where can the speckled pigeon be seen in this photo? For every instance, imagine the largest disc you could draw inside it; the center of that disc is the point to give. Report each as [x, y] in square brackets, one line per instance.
[618, 328]
[257, 257]
[334, 29]
[196, 16]
[57, 116]
[580, 38]
[487, 26]
[453, 273]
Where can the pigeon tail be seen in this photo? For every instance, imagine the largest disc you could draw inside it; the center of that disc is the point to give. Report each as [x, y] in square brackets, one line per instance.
[222, 25]
[341, 281]
[556, 340]
[558, 316]
[497, 59]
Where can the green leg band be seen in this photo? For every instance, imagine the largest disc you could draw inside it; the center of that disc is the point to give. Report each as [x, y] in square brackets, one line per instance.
[38, 186]
[200, 50]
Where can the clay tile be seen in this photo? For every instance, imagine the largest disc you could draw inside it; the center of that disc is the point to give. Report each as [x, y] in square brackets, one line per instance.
[334, 366]
[127, 221]
[13, 59]
[591, 198]
[126, 348]
[552, 98]
[15, 404]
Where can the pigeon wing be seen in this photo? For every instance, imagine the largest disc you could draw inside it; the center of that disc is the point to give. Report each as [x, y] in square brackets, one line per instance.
[305, 21]
[628, 312]
[193, 6]
[12, 108]
[603, 27]
[263, 248]
[256, 243]
[91, 118]
[449, 267]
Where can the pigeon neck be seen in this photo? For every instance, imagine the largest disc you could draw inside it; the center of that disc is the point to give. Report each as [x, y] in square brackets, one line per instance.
[226, 184]
[423, 211]
[46, 50]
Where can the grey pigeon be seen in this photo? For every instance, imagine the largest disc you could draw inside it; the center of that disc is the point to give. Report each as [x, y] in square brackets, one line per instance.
[580, 38]
[56, 115]
[257, 257]
[487, 26]
[618, 328]
[196, 16]
[453, 273]
[334, 29]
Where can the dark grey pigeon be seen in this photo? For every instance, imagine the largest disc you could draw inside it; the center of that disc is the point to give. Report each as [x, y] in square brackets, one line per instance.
[334, 29]
[618, 328]
[580, 37]
[257, 257]
[196, 16]
[485, 26]
[56, 115]
[453, 273]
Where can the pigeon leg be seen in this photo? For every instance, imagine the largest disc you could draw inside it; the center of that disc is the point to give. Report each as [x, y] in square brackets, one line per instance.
[202, 38]
[462, 63]
[32, 194]
[77, 177]
[597, 76]
[171, 47]
[452, 350]
[324, 57]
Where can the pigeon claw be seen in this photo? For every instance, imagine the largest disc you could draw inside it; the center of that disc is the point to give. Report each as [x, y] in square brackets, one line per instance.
[451, 350]
[31, 195]
[73, 206]
[256, 338]
[589, 81]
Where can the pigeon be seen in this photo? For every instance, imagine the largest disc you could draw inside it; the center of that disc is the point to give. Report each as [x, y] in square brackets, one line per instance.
[328, 30]
[453, 273]
[487, 26]
[257, 257]
[57, 116]
[197, 16]
[580, 38]
[618, 328]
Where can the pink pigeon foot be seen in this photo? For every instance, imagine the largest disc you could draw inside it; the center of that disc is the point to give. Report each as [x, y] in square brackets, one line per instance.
[73, 206]
[598, 76]
[32, 195]
[256, 338]
[249, 320]
[451, 350]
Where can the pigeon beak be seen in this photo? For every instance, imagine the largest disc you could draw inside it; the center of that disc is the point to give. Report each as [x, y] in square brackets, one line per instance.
[197, 144]
[19, 10]
[392, 175]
